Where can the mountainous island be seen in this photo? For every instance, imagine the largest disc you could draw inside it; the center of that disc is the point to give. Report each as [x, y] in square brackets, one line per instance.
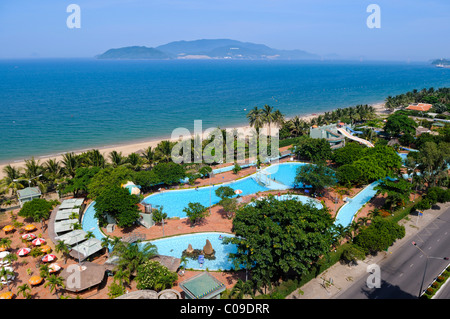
[441, 63]
[207, 49]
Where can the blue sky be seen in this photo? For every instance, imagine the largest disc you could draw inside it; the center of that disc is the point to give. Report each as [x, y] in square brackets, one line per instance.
[410, 29]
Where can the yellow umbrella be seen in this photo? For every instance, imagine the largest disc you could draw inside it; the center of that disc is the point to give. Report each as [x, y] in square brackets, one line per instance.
[3, 248]
[29, 227]
[46, 248]
[8, 228]
[6, 295]
[35, 280]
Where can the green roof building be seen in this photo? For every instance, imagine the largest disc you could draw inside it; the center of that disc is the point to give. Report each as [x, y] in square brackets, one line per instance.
[202, 286]
[28, 194]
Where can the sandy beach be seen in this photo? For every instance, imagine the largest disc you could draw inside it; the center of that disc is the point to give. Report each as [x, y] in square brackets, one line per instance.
[134, 147]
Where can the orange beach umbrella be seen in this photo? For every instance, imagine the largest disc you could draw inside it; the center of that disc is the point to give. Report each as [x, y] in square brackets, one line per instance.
[8, 228]
[46, 248]
[35, 280]
[29, 227]
[6, 295]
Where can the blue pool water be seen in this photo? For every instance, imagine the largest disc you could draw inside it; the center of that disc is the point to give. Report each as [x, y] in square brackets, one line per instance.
[174, 246]
[174, 201]
[346, 213]
[284, 173]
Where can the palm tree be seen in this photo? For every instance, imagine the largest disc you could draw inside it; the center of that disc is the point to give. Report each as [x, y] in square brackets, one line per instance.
[106, 241]
[5, 242]
[132, 255]
[52, 171]
[25, 290]
[44, 270]
[89, 235]
[116, 158]
[33, 169]
[163, 151]
[4, 273]
[13, 180]
[71, 163]
[255, 118]
[149, 155]
[268, 116]
[95, 158]
[134, 160]
[240, 289]
[62, 247]
[54, 282]
[10, 258]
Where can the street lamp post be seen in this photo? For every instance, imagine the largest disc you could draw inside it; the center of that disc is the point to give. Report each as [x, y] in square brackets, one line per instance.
[426, 265]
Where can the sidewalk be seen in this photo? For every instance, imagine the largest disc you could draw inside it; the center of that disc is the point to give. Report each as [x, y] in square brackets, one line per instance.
[342, 276]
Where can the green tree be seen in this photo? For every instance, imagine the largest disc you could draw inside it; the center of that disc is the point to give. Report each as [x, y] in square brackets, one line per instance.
[117, 202]
[25, 290]
[13, 179]
[37, 209]
[317, 150]
[108, 177]
[132, 255]
[169, 173]
[54, 282]
[318, 176]
[224, 192]
[397, 124]
[195, 212]
[275, 239]
[230, 205]
[63, 248]
[397, 192]
[153, 275]
[379, 235]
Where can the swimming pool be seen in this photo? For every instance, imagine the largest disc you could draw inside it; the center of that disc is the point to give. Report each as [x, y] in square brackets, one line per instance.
[347, 212]
[174, 201]
[174, 246]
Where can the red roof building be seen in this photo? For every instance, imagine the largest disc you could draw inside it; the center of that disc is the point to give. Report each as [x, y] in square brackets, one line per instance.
[419, 107]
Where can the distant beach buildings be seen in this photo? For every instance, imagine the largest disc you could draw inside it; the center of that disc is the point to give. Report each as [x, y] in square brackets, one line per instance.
[423, 107]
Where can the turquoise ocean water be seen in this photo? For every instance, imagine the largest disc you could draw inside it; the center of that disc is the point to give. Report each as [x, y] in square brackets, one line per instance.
[54, 106]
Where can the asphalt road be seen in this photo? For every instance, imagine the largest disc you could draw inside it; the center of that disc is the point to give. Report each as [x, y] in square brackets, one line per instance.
[403, 271]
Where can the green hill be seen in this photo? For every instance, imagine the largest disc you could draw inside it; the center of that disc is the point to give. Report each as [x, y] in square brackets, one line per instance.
[207, 48]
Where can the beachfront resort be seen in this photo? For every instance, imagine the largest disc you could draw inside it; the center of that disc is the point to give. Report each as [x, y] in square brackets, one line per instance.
[111, 225]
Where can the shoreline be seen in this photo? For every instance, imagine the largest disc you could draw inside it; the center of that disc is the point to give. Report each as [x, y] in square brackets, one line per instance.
[127, 148]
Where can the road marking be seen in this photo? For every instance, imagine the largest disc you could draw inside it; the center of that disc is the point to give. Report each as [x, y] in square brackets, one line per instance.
[429, 248]
[411, 265]
[420, 256]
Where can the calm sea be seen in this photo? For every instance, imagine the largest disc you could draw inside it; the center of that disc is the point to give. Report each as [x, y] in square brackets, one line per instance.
[53, 106]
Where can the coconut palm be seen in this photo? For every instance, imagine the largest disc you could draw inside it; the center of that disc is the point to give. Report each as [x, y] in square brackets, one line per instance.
[132, 255]
[13, 180]
[134, 160]
[63, 248]
[149, 155]
[255, 118]
[116, 158]
[163, 151]
[95, 158]
[54, 282]
[4, 273]
[5, 242]
[25, 290]
[33, 169]
[52, 171]
[71, 162]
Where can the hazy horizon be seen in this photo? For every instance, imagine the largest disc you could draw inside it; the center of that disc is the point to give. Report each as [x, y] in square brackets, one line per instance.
[410, 30]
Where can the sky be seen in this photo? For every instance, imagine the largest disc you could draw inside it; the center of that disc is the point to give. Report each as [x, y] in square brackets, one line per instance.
[410, 30]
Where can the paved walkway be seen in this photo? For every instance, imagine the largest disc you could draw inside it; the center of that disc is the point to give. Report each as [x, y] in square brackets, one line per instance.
[337, 278]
